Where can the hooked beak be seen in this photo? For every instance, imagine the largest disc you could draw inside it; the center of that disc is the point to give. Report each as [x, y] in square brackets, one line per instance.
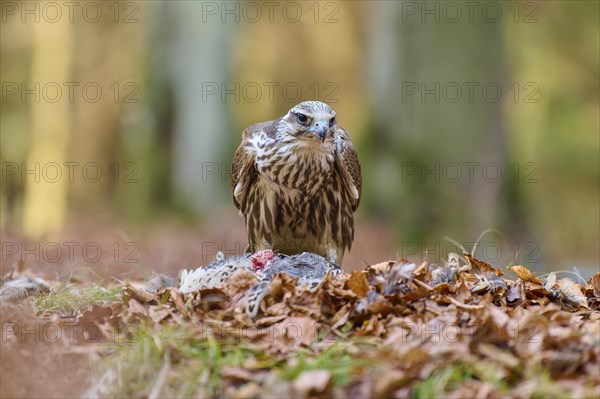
[320, 130]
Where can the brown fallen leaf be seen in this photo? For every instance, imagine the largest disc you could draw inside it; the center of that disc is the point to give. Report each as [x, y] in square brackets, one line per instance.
[483, 267]
[525, 274]
[443, 289]
[494, 353]
[96, 313]
[138, 293]
[422, 272]
[213, 297]
[381, 267]
[241, 280]
[269, 320]
[272, 308]
[595, 283]
[281, 284]
[137, 308]
[372, 328]
[177, 298]
[464, 305]
[297, 330]
[422, 290]
[358, 283]
[158, 313]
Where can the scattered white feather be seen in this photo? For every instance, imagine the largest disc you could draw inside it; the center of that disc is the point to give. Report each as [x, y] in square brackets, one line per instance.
[20, 288]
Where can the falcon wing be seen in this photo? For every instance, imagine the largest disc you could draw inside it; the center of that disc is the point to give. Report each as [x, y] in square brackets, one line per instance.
[347, 163]
[243, 170]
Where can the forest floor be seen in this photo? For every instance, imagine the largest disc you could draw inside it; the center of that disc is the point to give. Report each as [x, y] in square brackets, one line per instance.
[394, 329]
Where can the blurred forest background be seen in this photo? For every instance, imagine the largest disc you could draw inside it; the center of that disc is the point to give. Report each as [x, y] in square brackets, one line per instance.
[465, 117]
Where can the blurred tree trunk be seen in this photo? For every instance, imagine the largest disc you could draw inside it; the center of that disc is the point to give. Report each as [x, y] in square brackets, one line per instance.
[198, 53]
[429, 132]
[45, 201]
[105, 53]
[555, 137]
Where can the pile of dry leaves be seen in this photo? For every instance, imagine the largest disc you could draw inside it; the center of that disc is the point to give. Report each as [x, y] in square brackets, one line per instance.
[394, 329]
[408, 322]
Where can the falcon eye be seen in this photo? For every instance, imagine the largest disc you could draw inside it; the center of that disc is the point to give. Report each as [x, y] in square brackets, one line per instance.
[332, 122]
[302, 118]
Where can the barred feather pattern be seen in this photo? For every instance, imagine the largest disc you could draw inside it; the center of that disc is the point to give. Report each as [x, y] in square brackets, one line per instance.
[213, 275]
[297, 193]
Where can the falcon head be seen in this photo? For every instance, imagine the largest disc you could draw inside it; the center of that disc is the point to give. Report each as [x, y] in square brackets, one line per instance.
[310, 120]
